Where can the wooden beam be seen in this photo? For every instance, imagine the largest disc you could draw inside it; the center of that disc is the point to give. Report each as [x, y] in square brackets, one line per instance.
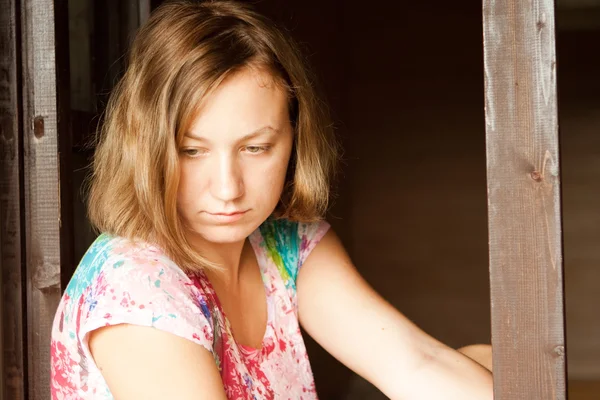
[45, 134]
[525, 235]
[144, 11]
[11, 246]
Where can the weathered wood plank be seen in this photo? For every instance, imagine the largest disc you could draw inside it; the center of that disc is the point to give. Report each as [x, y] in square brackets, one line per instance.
[10, 208]
[43, 138]
[526, 264]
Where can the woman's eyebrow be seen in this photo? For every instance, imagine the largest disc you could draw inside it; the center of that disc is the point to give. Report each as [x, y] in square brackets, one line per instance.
[252, 135]
[259, 132]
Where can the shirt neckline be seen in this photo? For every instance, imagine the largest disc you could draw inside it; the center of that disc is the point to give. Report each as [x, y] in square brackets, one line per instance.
[256, 240]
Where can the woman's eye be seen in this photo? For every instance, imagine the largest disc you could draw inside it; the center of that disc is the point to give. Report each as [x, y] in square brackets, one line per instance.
[256, 149]
[192, 152]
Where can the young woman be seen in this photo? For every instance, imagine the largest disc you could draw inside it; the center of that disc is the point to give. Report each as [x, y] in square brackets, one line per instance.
[209, 184]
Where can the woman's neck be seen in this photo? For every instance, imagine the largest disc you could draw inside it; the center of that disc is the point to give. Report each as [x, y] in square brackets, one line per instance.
[229, 256]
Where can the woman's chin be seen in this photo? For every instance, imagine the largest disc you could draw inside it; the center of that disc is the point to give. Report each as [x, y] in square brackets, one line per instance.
[231, 233]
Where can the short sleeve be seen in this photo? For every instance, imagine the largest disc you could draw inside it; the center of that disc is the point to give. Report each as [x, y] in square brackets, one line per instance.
[309, 234]
[288, 244]
[141, 290]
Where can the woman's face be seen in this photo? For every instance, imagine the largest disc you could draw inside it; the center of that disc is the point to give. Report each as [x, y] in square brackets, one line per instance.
[233, 160]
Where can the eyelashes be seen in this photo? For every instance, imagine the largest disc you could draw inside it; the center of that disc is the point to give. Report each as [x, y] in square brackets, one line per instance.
[257, 149]
[194, 152]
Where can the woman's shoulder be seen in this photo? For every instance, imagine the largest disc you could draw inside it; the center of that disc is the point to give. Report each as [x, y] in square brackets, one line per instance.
[288, 231]
[116, 259]
[290, 236]
[288, 243]
[126, 281]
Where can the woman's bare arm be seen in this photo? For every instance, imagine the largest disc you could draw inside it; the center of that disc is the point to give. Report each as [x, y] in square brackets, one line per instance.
[358, 327]
[146, 363]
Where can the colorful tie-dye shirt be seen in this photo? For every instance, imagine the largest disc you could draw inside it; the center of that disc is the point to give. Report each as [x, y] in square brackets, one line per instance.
[119, 282]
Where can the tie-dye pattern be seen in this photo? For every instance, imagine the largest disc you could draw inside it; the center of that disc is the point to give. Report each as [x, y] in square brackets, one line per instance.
[282, 247]
[119, 281]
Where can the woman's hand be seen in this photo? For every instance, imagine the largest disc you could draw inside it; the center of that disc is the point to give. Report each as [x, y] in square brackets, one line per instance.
[358, 327]
[481, 353]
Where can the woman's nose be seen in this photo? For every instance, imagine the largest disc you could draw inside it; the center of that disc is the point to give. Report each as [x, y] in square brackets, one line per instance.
[227, 184]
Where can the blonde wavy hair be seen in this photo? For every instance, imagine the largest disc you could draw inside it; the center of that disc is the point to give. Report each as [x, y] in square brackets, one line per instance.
[184, 51]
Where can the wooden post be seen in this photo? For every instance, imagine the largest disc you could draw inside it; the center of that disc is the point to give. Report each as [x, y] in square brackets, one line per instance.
[143, 11]
[526, 264]
[46, 200]
[11, 246]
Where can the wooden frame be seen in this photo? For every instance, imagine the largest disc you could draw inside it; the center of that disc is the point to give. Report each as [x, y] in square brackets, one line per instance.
[526, 265]
[11, 246]
[46, 201]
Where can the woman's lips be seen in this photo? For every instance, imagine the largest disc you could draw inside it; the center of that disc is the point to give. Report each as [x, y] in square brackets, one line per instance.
[226, 217]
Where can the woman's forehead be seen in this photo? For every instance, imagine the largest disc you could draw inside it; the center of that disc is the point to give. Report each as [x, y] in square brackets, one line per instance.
[245, 103]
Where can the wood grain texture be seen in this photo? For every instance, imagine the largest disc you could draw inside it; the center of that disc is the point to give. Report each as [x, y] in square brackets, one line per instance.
[13, 386]
[42, 169]
[525, 238]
